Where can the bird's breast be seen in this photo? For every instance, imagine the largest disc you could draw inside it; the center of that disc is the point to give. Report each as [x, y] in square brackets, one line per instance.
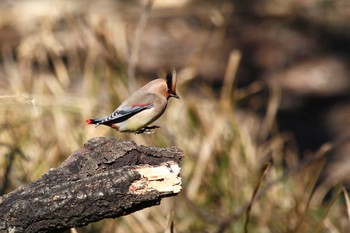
[141, 119]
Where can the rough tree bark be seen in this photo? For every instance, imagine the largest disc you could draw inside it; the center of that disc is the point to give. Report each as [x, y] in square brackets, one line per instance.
[107, 178]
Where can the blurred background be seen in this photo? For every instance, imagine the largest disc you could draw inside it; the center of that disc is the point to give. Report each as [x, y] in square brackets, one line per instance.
[263, 116]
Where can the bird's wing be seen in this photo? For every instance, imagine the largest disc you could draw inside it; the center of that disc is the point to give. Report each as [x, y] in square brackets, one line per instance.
[129, 108]
[123, 114]
[133, 109]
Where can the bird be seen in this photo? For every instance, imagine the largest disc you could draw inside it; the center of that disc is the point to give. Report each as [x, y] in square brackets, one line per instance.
[143, 107]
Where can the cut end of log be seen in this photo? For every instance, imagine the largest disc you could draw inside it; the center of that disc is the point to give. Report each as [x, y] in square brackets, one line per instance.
[164, 178]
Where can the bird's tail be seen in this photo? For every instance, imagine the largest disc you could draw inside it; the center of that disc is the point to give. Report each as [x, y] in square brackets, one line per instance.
[95, 121]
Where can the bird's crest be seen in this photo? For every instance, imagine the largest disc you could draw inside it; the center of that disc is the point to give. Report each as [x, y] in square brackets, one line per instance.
[171, 83]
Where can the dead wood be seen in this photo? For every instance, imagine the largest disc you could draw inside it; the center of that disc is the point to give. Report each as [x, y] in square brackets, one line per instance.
[107, 178]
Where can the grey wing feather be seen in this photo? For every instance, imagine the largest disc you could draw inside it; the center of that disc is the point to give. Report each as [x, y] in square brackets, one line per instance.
[122, 115]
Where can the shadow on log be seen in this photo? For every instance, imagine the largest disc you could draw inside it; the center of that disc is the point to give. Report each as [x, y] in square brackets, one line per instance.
[107, 178]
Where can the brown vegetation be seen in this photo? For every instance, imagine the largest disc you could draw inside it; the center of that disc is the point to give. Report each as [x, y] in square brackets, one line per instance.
[240, 67]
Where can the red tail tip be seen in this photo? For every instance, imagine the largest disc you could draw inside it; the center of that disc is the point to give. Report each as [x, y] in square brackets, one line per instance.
[89, 121]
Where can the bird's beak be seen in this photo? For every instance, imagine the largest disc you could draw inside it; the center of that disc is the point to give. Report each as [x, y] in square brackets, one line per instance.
[174, 95]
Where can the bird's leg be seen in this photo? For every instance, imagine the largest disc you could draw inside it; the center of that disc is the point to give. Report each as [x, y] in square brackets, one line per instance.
[152, 127]
[148, 129]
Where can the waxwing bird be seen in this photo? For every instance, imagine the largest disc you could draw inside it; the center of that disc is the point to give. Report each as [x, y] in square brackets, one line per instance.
[142, 108]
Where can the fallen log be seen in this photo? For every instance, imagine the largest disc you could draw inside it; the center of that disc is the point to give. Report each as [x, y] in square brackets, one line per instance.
[107, 178]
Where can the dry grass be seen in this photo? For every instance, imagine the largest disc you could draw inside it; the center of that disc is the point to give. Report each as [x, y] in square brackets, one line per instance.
[73, 65]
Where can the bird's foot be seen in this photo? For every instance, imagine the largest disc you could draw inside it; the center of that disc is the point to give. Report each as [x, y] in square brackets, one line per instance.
[148, 130]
